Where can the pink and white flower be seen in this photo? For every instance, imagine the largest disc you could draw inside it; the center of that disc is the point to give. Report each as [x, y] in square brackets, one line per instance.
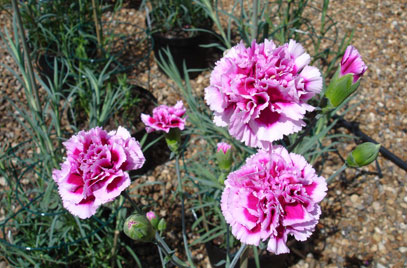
[164, 118]
[276, 193]
[260, 92]
[352, 63]
[94, 171]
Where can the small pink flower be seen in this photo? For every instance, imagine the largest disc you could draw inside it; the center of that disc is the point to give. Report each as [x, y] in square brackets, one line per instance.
[223, 146]
[164, 118]
[352, 63]
[260, 92]
[151, 215]
[94, 171]
[274, 194]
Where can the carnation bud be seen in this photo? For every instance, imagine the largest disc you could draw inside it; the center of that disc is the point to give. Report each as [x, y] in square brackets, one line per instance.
[162, 225]
[347, 79]
[352, 63]
[173, 139]
[224, 156]
[363, 154]
[139, 228]
[152, 218]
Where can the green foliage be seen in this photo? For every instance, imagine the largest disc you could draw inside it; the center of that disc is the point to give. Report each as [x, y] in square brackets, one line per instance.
[175, 16]
[280, 21]
[48, 22]
[36, 230]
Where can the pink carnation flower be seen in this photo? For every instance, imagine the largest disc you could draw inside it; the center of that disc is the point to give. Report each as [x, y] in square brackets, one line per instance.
[164, 118]
[274, 194]
[260, 92]
[352, 63]
[223, 146]
[94, 171]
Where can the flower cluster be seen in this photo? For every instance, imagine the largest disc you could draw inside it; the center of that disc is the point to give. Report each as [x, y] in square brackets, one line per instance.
[164, 118]
[94, 171]
[274, 194]
[260, 92]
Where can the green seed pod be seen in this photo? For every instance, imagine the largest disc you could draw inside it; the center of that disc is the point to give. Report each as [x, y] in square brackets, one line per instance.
[173, 139]
[363, 154]
[139, 228]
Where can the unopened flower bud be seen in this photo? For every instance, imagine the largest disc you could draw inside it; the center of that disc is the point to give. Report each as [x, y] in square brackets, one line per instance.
[224, 156]
[152, 218]
[363, 154]
[347, 79]
[353, 64]
[173, 139]
[162, 225]
[139, 228]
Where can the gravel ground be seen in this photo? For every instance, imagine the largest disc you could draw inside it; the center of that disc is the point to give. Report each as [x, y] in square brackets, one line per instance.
[364, 216]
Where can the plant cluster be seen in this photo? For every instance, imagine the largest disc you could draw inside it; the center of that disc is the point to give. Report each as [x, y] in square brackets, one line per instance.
[176, 18]
[264, 123]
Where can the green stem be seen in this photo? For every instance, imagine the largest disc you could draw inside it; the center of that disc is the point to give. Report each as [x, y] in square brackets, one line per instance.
[161, 256]
[97, 24]
[244, 258]
[255, 20]
[181, 193]
[336, 173]
[116, 234]
[237, 256]
[168, 252]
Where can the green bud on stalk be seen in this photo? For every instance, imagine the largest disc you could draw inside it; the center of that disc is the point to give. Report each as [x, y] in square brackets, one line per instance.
[363, 154]
[162, 225]
[173, 139]
[340, 88]
[224, 156]
[139, 228]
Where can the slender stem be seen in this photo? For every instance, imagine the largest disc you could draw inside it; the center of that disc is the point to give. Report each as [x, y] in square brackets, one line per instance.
[227, 245]
[255, 19]
[256, 256]
[133, 204]
[336, 173]
[205, 224]
[244, 258]
[305, 133]
[237, 256]
[161, 256]
[168, 252]
[97, 25]
[116, 233]
[181, 193]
